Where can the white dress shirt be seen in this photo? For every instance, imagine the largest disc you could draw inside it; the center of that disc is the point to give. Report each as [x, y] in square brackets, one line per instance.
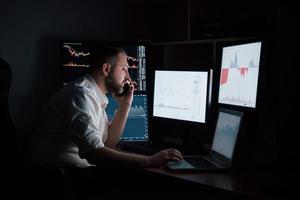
[74, 122]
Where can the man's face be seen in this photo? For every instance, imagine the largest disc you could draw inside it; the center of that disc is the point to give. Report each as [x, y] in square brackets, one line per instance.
[118, 75]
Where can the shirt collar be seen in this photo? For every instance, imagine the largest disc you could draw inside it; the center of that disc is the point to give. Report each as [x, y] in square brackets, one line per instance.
[101, 97]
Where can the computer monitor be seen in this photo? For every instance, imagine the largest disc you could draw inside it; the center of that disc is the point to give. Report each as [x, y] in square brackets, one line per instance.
[76, 59]
[136, 128]
[181, 94]
[239, 74]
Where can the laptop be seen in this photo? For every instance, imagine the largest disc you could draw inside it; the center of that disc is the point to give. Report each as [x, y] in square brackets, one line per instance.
[222, 149]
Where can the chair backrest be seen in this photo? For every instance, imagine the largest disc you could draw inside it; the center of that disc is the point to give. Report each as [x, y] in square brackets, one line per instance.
[10, 149]
[24, 182]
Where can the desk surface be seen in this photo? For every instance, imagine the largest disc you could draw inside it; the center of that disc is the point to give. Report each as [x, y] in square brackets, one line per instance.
[250, 184]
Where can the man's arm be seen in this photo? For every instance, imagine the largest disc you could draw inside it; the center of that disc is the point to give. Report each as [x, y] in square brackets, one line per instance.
[117, 126]
[106, 154]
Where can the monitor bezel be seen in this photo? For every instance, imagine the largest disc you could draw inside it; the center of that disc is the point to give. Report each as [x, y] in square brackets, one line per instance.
[185, 69]
[219, 55]
[174, 131]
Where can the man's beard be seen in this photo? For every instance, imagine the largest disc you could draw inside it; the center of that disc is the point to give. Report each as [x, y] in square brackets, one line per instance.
[112, 86]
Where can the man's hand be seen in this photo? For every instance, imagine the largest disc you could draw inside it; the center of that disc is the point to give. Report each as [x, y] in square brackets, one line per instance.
[127, 98]
[163, 156]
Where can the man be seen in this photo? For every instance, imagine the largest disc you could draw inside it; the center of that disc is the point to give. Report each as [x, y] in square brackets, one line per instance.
[75, 131]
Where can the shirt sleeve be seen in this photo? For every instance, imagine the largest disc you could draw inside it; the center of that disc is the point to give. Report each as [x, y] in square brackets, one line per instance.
[85, 133]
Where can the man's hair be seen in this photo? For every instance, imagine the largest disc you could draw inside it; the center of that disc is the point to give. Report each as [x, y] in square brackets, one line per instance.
[104, 54]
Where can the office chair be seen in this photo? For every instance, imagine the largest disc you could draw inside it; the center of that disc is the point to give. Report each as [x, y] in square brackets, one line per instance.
[10, 152]
[16, 179]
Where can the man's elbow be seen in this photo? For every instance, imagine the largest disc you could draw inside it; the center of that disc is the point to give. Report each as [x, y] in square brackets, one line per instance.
[111, 145]
[94, 156]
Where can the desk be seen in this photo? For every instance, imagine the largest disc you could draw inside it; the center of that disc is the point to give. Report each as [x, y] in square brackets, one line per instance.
[235, 185]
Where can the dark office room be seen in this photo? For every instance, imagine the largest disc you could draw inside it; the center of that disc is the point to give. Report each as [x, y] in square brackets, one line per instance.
[173, 47]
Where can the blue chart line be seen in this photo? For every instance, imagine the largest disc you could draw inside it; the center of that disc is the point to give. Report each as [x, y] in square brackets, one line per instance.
[137, 111]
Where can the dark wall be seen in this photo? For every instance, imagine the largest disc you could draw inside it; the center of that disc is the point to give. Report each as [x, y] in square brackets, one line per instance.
[288, 87]
[29, 42]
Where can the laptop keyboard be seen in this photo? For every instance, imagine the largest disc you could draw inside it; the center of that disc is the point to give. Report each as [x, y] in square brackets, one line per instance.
[199, 162]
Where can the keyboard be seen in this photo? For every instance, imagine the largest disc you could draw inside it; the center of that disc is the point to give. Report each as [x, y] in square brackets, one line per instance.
[199, 162]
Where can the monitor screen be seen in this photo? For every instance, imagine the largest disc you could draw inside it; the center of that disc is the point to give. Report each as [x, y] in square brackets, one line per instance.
[181, 95]
[76, 60]
[136, 128]
[239, 74]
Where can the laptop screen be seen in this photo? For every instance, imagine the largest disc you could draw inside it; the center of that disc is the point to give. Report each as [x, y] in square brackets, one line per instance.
[136, 128]
[227, 128]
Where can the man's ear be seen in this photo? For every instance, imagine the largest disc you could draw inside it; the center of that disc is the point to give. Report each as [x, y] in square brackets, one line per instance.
[106, 67]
